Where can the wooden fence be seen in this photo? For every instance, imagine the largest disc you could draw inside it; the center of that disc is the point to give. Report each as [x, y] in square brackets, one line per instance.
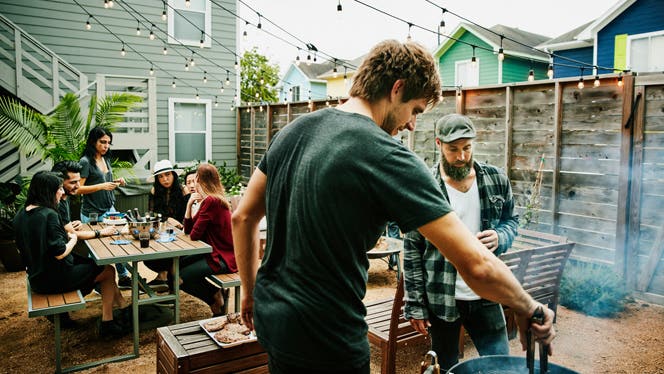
[584, 163]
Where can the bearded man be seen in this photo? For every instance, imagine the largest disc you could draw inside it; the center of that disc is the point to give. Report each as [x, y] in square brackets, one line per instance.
[438, 299]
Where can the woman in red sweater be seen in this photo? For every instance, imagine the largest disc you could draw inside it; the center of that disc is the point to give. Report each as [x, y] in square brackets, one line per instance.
[211, 224]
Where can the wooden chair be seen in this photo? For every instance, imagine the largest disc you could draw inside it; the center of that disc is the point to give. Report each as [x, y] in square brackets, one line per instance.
[388, 329]
[537, 261]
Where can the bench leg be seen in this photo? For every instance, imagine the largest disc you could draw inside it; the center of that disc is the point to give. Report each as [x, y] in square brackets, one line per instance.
[58, 347]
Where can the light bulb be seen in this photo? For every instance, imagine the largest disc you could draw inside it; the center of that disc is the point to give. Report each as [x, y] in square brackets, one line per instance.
[473, 61]
[580, 85]
[187, 3]
[596, 83]
[138, 30]
[186, 67]
[110, 3]
[228, 81]
[192, 62]
[339, 7]
[165, 51]
[549, 71]
[151, 71]
[620, 81]
[88, 26]
[173, 84]
[501, 54]
[222, 89]
[531, 75]
[151, 35]
[123, 52]
[163, 15]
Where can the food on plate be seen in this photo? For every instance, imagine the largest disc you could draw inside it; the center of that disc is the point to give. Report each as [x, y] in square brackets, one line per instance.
[234, 318]
[215, 324]
[238, 328]
[228, 337]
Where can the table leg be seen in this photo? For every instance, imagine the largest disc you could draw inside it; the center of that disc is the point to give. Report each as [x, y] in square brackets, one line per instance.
[176, 281]
[134, 303]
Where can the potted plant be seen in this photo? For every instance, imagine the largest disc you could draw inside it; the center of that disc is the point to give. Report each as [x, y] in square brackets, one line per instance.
[9, 205]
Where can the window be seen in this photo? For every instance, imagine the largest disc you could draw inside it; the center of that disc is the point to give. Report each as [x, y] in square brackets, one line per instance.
[466, 75]
[645, 52]
[189, 129]
[186, 23]
[296, 94]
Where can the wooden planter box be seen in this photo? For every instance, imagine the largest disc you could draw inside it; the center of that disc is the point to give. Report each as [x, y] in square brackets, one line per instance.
[186, 348]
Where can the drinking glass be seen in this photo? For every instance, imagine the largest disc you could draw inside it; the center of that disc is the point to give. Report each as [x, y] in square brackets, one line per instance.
[144, 238]
[94, 217]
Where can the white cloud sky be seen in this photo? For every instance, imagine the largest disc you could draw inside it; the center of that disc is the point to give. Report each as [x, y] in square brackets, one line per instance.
[352, 32]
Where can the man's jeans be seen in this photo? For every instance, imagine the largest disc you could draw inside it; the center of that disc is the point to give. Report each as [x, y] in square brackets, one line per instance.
[485, 322]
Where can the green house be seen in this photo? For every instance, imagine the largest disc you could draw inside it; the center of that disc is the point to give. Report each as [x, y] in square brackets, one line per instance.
[456, 54]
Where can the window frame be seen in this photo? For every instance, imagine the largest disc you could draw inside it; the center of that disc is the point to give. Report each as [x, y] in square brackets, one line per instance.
[649, 36]
[207, 41]
[171, 128]
[293, 94]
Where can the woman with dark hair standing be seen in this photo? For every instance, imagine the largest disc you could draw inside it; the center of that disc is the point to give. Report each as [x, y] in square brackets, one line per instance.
[98, 185]
[212, 224]
[46, 250]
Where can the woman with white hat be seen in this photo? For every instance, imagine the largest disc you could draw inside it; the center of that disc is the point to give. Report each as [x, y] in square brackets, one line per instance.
[167, 198]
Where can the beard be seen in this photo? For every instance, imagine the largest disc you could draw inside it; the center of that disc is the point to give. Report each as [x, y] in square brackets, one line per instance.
[458, 173]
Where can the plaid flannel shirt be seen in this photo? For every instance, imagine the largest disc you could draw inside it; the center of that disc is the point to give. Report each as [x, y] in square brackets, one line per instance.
[430, 279]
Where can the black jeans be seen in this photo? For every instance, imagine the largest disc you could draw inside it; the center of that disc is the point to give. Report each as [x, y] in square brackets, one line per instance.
[485, 323]
[281, 367]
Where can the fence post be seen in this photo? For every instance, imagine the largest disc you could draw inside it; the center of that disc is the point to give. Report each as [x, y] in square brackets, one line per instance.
[557, 148]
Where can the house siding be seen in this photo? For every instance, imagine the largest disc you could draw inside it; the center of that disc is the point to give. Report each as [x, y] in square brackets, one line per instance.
[516, 70]
[488, 62]
[579, 54]
[60, 26]
[643, 16]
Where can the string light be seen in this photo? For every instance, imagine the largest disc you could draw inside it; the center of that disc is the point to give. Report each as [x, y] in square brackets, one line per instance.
[244, 33]
[580, 84]
[308, 59]
[173, 83]
[106, 5]
[88, 25]
[237, 65]
[186, 66]
[297, 59]
[339, 8]
[221, 89]
[259, 26]
[335, 73]
[202, 39]
[204, 76]
[138, 28]
[620, 80]
[151, 70]
[549, 71]
[531, 75]
[191, 61]
[187, 3]
[228, 78]
[151, 37]
[110, 3]
[501, 52]
[345, 77]
[596, 83]
[197, 97]
[409, 38]
[164, 16]
[122, 51]
[473, 60]
[216, 102]
[441, 26]
[165, 50]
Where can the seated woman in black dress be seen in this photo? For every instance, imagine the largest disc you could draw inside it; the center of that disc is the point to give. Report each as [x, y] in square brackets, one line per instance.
[46, 249]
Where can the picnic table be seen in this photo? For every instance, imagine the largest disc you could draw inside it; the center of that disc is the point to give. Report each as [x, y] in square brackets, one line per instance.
[105, 253]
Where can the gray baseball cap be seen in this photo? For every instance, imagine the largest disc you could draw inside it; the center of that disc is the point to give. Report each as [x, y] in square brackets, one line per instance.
[454, 126]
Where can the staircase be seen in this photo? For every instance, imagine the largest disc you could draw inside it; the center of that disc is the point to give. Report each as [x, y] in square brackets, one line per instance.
[33, 73]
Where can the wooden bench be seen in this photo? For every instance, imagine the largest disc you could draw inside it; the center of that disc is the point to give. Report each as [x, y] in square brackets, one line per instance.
[55, 304]
[388, 329]
[537, 261]
[227, 281]
[186, 348]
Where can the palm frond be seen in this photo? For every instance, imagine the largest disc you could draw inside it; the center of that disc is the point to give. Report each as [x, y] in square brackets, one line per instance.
[22, 126]
[112, 108]
[92, 106]
[67, 130]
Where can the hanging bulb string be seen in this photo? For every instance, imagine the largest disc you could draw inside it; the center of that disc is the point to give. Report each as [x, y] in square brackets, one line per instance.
[585, 64]
[323, 55]
[138, 53]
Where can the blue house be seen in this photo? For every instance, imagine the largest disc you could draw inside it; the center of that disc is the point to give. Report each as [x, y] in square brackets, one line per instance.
[629, 36]
[301, 82]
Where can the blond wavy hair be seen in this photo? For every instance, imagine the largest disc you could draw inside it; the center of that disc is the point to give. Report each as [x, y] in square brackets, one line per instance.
[210, 183]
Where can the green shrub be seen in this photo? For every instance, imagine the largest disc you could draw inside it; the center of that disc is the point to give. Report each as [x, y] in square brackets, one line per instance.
[595, 290]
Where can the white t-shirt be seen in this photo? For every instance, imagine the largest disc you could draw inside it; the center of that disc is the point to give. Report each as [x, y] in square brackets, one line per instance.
[467, 207]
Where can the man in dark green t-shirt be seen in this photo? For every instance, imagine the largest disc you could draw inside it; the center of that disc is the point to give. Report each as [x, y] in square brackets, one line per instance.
[328, 184]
